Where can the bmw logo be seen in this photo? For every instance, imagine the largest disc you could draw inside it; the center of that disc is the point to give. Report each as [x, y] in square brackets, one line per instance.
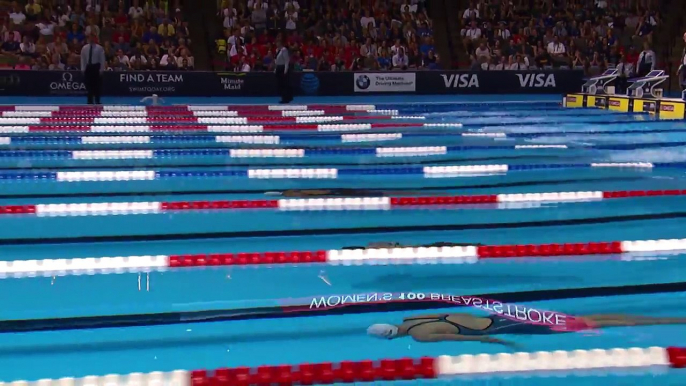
[309, 84]
[363, 82]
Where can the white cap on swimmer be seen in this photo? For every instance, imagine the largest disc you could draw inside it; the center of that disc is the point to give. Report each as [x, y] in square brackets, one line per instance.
[384, 331]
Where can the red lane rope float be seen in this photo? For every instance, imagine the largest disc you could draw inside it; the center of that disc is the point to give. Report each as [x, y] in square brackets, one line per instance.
[324, 204]
[404, 369]
[380, 114]
[139, 125]
[332, 107]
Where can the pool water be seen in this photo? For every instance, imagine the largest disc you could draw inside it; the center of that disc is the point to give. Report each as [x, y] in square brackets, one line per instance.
[589, 136]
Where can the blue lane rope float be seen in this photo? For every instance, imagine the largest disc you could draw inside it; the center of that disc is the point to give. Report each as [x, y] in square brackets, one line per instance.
[317, 173]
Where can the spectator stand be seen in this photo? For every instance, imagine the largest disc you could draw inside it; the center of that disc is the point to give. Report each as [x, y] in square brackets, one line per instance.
[326, 36]
[591, 35]
[49, 34]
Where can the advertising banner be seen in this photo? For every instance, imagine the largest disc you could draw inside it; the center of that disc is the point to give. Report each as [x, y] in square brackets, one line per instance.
[233, 84]
[383, 82]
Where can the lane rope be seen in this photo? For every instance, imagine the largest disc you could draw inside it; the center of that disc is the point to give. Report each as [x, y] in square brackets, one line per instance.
[623, 250]
[324, 204]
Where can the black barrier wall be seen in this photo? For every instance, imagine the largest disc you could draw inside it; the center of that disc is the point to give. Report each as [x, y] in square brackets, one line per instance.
[227, 84]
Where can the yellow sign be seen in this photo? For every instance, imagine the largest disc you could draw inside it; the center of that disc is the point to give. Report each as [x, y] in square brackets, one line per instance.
[644, 106]
[618, 104]
[671, 110]
[574, 100]
[596, 101]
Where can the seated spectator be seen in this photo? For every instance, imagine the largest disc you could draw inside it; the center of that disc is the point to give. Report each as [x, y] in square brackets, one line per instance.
[152, 35]
[400, 60]
[482, 51]
[471, 36]
[557, 52]
[122, 58]
[110, 52]
[165, 29]
[76, 34]
[92, 28]
[56, 64]
[11, 47]
[471, 13]
[33, 7]
[23, 64]
[17, 15]
[152, 50]
[135, 11]
[186, 61]
[431, 61]
[184, 65]
[27, 47]
[152, 65]
[169, 60]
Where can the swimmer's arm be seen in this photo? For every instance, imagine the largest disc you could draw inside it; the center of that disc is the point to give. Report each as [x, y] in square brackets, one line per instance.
[430, 316]
[460, 338]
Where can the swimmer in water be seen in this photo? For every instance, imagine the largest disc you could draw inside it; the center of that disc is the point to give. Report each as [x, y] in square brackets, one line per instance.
[470, 328]
[393, 244]
[302, 193]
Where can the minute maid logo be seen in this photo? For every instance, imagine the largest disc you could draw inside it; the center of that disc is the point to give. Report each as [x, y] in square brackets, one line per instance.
[309, 83]
[232, 80]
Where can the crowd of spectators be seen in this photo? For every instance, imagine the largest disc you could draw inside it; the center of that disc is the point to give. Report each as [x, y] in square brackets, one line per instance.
[326, 35]
[49, 34]
[583, 34]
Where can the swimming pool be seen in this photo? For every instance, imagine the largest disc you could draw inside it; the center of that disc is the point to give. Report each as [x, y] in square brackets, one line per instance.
[208, 191]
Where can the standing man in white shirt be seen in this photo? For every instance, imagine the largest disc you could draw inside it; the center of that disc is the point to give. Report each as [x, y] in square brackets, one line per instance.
[93, 65]
[626, 71]
[681, 72]
[646, 60]
[283, 71]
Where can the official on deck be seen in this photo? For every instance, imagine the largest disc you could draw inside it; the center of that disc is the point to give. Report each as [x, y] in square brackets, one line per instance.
[283, 71]
[93, 65]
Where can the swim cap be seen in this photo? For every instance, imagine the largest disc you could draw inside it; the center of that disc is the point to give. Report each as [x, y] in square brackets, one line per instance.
[384, 331]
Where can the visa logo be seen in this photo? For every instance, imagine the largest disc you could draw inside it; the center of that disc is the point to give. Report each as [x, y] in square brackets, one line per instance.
[536, 80]
[460, 80]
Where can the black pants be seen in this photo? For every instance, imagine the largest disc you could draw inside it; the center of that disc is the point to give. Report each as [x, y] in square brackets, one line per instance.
[93, 82]
[643, 69]
[283, 83]
[621, 85]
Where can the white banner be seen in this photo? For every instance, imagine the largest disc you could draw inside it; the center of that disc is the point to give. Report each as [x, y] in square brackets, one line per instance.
[385, 82]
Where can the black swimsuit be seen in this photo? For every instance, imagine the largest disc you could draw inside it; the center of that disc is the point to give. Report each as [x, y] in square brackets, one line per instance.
[498, 326]
[353, 193]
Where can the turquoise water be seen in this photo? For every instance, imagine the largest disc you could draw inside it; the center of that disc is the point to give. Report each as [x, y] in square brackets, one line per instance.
[637, 138]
